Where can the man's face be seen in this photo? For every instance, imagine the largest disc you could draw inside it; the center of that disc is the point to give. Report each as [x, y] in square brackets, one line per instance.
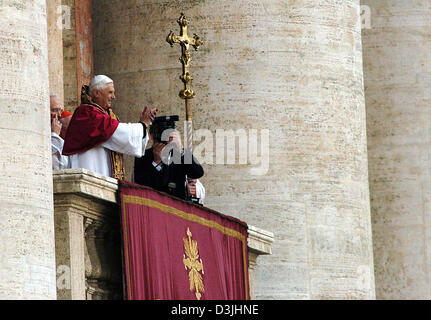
[104, 97]
[56, 108]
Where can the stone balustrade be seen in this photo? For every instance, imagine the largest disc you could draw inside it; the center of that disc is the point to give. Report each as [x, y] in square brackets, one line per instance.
[88, 240]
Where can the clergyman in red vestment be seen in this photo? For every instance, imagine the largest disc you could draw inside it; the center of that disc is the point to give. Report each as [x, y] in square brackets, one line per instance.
[96, 139]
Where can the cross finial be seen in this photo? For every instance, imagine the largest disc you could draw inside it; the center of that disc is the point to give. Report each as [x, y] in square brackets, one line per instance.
[185, 41]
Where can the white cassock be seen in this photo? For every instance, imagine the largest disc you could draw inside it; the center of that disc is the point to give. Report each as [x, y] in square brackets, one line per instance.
[128, 138]
[58, 160]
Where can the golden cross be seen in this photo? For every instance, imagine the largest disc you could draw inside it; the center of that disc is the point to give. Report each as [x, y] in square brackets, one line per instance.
[185, 41]
[194, 264]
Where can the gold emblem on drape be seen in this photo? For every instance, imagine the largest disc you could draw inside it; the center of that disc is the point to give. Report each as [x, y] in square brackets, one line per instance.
[193, 263]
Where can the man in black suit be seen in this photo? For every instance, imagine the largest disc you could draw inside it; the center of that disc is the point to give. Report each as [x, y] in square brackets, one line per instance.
[167, 165]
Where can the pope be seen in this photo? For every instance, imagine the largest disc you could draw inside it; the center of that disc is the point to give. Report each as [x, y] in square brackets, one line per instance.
[96, 140]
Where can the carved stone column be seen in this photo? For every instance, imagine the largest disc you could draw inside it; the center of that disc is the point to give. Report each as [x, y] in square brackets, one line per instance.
[69, 247]
[27, 256]
[103, 271]
[397, 74]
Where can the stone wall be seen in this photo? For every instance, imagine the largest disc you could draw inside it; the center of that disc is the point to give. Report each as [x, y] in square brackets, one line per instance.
[397, 52]
[78, 51]
[27, 257]
[69, 60]
[292, 69]
[55, 48]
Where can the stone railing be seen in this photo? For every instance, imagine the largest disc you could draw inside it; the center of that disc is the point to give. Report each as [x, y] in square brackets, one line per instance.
[88, 242]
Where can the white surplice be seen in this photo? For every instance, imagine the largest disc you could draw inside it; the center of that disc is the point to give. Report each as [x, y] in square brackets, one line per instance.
[128, 138]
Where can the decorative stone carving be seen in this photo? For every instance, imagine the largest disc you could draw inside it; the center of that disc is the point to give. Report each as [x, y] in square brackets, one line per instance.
[92, 198]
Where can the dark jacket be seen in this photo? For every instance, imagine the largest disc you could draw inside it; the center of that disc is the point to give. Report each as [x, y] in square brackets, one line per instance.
[172, 178]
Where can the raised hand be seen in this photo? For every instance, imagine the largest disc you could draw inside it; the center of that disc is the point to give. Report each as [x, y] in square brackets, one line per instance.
[191, 186]
[148, 115]
[56, 125]
[176, 138]
[157, 151]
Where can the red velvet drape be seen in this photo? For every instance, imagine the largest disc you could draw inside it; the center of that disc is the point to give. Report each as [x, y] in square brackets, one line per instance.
[169, 244]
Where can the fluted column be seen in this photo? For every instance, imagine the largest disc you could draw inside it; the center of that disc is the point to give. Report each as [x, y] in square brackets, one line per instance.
[398, 94]
[289, 74]
[27, 259]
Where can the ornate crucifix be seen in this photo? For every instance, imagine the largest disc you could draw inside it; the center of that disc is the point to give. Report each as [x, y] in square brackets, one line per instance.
[187, 93]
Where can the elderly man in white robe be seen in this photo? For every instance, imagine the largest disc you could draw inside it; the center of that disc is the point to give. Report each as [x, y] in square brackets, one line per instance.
[96, 139]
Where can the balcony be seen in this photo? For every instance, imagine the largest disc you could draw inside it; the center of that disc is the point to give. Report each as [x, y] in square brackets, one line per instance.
[88, 241]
